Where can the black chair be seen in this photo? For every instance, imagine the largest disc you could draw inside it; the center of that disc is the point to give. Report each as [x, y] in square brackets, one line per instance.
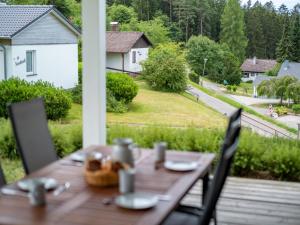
[2, 178]
[29, 122]
[202, 216]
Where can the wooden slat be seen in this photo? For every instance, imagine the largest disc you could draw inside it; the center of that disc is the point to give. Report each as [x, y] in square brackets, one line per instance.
[252, 202]
[82, 204]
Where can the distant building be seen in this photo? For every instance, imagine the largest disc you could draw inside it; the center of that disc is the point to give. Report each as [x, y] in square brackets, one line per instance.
[290, 68]
[126, 50]
[251, 68]
[38, 43]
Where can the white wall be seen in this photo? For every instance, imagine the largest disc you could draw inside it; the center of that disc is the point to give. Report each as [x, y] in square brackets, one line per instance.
[141, 55]
[57, 64]
[114, 60]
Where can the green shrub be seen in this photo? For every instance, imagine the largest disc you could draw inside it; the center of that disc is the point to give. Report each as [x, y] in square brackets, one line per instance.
[113, 105]
[57, 101]
[76, 93]
[279, 158]
[80, 73]
[249, 81]
[8, 147]
[281, 110]
[296, 108]
[122, 86]
[229, 87]
[62, 141]
[194, 77]
[234, 88]
[165, 69]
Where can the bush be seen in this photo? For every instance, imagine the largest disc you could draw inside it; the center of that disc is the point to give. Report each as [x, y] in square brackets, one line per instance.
[281, 110]
[165, 69]
[113, 105]
[76, 93]
[80, 73]
[234, 88]
[221, 64]
[122, 87]
[194, 77]
[229, 87]
[57, 101]
[62, 140]
[249, 81]
[279, 158]
[296, 108]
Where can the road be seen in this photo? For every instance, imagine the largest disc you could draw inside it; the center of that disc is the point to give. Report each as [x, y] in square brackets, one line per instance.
[254, 123]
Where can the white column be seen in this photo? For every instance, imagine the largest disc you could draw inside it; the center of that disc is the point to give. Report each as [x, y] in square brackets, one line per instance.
[94, 78]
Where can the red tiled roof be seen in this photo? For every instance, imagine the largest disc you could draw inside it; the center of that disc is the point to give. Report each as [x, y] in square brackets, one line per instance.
[122, 42]
[261, 66]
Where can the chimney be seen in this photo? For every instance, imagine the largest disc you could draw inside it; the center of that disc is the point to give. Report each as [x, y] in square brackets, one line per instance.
[114, 26]
[254, 60]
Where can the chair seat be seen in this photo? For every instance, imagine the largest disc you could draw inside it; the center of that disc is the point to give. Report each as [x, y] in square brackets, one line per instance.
[184, 215]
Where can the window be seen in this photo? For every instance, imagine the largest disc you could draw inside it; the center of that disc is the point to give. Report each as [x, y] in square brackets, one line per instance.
[134, 57]
[30, 62]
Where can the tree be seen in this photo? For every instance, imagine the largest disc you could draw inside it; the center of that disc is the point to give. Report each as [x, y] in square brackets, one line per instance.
[233, 29]
[221, 63]
[256, 44]
[146, 9]
[295, 39]
[154, 30]
[165, 69]
[285, 47]
[121, 13]
[294, 91]
[278, 87]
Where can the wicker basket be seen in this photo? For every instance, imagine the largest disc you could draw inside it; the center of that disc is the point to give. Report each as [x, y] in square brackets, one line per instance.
[102, 178]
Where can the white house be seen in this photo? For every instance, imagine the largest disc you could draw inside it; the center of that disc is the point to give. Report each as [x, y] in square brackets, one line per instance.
[38, 43]
[252, 68]
[126, 50]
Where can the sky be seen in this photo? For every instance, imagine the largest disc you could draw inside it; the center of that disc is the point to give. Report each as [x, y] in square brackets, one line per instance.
[289, 3]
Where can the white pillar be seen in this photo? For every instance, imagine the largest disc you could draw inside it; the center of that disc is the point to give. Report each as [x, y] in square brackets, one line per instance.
[94, 78]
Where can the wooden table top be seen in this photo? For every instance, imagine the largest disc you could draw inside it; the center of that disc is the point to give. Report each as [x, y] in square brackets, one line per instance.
[82, 204]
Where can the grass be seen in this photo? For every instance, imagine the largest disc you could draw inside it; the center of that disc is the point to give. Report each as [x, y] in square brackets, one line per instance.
[159, 108]
[244, 89]
[245, 108]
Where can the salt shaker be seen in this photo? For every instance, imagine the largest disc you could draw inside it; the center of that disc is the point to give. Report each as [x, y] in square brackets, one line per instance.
[37, 193]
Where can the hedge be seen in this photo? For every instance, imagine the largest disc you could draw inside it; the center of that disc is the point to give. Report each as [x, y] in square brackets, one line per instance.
[57, 101]
[257, 156]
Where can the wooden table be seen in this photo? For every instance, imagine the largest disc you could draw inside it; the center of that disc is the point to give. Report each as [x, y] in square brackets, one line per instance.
[82, 204]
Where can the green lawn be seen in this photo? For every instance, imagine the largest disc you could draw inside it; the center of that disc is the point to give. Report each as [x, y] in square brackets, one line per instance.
[244, 89]
[160, 108]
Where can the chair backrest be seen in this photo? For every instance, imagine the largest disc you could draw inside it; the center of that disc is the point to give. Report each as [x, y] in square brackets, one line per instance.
[2, 178]
[228, 150]
[234, 121]
[29, 122]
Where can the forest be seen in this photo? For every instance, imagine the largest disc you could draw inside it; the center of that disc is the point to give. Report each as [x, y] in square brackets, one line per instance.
[253, 29]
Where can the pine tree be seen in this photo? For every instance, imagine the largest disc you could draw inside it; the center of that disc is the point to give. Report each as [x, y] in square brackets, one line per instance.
[295, 39]
[285, 47]
[233, 26]
[256, 45]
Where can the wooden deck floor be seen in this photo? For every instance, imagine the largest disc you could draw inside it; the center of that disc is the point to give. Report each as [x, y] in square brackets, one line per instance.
[254, 202]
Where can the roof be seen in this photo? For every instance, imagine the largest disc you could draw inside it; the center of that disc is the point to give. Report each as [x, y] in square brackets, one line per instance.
[122, 42]
[261, 65]
[290, 68]
[260, 78]
[15, 18]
